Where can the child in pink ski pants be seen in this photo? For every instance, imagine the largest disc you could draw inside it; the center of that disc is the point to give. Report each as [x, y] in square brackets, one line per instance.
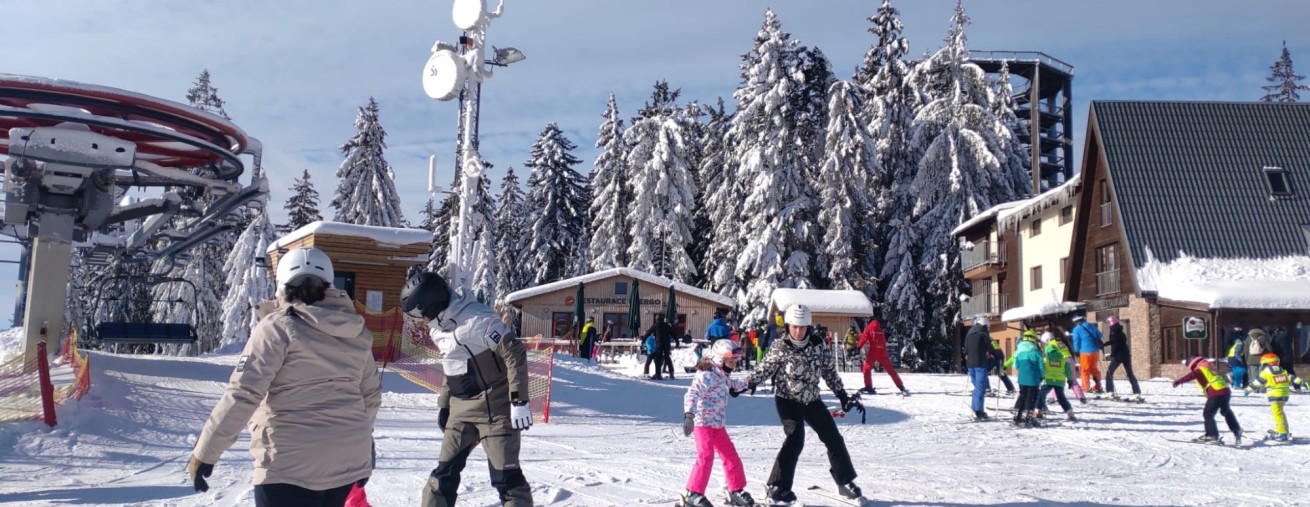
[705, 406]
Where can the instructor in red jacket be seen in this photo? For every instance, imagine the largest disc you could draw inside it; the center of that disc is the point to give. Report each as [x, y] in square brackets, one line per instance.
[876, 341]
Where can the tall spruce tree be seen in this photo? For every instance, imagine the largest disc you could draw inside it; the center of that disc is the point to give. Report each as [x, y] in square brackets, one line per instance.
[811, 105]
[709, 178]
[203, 95]
[302, 206]
[610, 194]
[959, 176]
[248, 282]
[1015, 157]
[511, 216]
[366, 194]
[845, 192]
[778, 232]
[1284, 83]
[559, 206]
[659, 162]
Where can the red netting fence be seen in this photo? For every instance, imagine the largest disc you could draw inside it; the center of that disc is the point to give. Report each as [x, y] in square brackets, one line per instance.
[20, 384]
[401, 344]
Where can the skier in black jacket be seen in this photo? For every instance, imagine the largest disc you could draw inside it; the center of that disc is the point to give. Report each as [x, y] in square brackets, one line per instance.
[796, 362]
[1120, 355]
[978, 351]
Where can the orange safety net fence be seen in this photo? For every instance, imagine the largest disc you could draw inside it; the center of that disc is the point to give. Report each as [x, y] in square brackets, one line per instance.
[20, 383]
[401, 344]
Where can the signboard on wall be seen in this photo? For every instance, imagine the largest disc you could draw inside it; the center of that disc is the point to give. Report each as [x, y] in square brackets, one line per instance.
[373, 300]
[1194, 328]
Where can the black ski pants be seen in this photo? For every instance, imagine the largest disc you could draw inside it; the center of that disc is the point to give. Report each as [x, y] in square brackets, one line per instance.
[652, 358]
[501, 444]
[1219, 404]
[1128, 370]
[795, 415]
[287, 495]
[1027, 402]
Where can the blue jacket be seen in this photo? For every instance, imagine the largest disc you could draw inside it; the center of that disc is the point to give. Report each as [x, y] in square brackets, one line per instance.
[717, 329]
[1028, 360]
[1086, 339]
[650, 345]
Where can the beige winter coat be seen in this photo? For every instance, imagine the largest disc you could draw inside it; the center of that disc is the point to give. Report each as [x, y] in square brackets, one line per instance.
[308, 387]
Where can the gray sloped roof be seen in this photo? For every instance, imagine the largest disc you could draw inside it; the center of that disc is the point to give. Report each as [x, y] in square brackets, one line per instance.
[1188, 176]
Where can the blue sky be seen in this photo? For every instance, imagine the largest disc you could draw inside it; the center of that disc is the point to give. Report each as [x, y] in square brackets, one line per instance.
[294, 72]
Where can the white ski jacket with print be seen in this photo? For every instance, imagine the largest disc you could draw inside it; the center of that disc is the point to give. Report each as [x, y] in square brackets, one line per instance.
[796, 370]
[707, 398]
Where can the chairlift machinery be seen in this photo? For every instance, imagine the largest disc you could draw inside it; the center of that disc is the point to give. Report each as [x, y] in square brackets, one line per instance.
[72, 147]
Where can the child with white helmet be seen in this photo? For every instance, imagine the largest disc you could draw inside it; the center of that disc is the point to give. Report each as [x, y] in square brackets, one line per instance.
[705, 411]
[796, 364]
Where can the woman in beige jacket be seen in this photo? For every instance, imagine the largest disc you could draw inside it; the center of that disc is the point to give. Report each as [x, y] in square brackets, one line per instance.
[308, 389]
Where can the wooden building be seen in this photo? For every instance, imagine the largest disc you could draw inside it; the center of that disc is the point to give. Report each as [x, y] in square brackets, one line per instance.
[836, 310]
[548, 309]
[370, 263]
[1194, 216]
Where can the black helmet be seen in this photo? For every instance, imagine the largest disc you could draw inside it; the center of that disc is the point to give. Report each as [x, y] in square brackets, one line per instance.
[427, 292]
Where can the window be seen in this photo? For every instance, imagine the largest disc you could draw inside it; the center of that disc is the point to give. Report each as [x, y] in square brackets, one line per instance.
[620, 288]
[1107, 270]
[1035, 278]
[1035, 228]
[1064, 270]
[1279, 185]
[1106, 212]
[1177, 348]
[344, 280]
[620, 322]
[561, 323]
[1066, 215]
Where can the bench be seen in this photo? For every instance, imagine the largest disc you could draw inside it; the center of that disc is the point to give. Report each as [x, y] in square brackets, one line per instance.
[143, 333]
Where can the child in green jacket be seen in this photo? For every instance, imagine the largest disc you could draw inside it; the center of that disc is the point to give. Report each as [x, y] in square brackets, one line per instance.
[1027, 359]
[1057, 373]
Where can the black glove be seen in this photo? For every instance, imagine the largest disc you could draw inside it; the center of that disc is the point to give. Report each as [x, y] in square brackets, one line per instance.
[443, 415]
[688, 424]
[198, 471]
[845, 400]
[752, 387]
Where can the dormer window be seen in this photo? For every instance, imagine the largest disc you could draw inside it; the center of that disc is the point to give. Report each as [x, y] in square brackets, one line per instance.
[1279, 184]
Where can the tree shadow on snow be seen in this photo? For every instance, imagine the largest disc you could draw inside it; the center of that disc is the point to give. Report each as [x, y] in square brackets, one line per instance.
[587, 391]
[100, 496]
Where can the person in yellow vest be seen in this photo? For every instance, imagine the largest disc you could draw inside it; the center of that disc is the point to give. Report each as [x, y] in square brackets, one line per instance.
[1276, 381]
[1058, 372]
[1217, 397]
[588, 342]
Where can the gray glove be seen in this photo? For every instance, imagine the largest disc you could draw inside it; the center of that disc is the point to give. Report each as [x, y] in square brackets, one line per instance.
[688, 423]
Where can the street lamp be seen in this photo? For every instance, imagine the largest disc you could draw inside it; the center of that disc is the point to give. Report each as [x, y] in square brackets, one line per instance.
[458, 70]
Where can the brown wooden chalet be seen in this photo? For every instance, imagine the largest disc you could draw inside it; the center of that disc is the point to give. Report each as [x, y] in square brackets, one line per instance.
[1192, 210]
[370, 263]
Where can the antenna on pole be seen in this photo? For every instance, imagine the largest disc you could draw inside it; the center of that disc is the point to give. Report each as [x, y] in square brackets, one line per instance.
[434, 188]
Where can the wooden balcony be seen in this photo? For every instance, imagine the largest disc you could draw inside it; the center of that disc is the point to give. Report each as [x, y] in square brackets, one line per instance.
[983, 259]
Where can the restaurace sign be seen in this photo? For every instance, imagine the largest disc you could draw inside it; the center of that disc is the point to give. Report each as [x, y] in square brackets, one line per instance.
[612, 301]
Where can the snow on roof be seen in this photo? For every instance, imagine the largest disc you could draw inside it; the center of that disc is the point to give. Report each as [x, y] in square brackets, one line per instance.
[841, 302]
[990, 213]
[1050, 309]
[628, 272]
[1057, 196]
[1279, 283]
[386, 236]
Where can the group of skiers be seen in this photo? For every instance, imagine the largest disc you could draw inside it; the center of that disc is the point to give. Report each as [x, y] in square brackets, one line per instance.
[308, 388]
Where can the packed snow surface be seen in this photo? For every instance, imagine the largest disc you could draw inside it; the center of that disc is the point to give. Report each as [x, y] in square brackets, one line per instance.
[615, 440]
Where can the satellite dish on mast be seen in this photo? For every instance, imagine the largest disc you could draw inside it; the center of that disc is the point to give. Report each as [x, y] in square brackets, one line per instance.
[469, 14]
[443, 75]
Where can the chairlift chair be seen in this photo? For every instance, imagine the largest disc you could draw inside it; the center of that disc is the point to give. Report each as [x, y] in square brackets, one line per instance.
[111, 332]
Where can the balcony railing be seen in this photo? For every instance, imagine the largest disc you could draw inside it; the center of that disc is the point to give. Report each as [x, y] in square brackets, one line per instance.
[982, 253]
[1107, 282]
[985, 304]
[1105, 214]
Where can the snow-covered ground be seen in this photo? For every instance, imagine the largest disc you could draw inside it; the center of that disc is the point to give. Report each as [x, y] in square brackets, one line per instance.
[616, 440]
[11, 343]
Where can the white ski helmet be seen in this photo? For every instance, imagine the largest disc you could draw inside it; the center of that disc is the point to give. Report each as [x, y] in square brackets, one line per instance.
[799, 315]
[724, 348]
[303, 262]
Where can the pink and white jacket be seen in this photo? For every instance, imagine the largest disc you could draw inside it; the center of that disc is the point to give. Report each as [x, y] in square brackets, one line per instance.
[707, 398]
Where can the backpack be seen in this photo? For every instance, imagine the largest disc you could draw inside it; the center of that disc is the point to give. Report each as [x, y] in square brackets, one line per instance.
[1255, 348]
[650, 345]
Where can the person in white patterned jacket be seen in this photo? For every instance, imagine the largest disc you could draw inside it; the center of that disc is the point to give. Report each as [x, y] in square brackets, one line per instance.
[796, 364]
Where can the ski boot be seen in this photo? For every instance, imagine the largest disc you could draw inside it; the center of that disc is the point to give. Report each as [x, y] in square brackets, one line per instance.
[694, 499]
[905, 393]
[868, 390]
[1032, 422]
[1207, 439]
[849, 490]
[778, 496]
[740, 498]
[980, 416]
[1018, 420]
[1069, 416]
[1283, 437]
[1237, 437]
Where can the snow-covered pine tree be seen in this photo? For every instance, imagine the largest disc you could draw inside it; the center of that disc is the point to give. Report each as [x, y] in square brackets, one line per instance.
[1284, 83]
[768, 157]
[366, 192]
[889, 113]
[812, 105]
[558, 207]
[1015, 157]
[442, 231]
[709, 177]
[482, 255]
[248, 282]
[663, 193]
[957, 179]
[511, 274]
[845, 192]
[203, 95]
[302, 206]
[610, 194]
